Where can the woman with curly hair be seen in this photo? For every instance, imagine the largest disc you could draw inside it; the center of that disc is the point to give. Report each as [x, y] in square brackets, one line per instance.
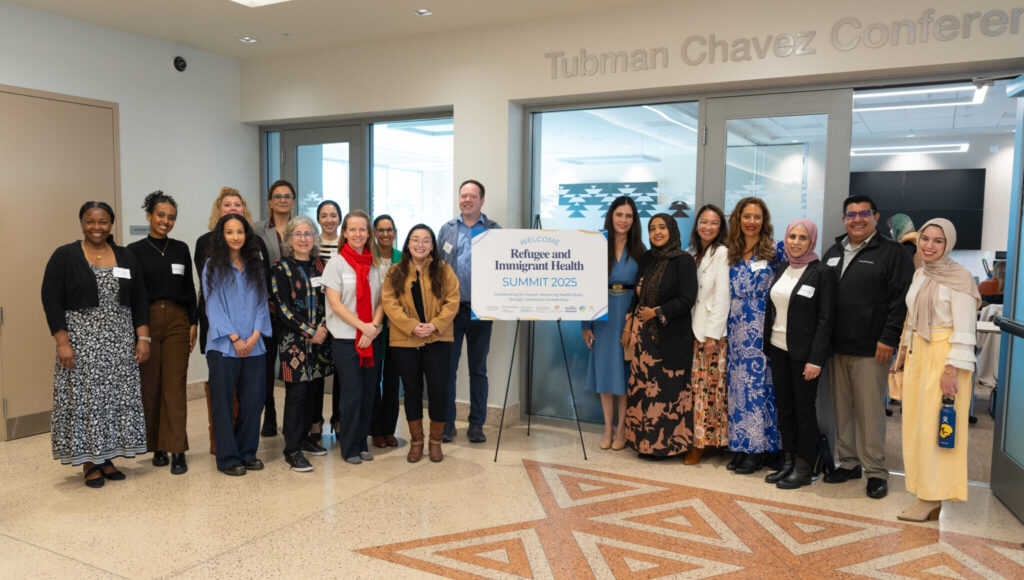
[753, 256]
[234, 285]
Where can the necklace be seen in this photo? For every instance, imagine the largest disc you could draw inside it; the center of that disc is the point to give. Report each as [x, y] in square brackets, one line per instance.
[166, 243]
[99, 256]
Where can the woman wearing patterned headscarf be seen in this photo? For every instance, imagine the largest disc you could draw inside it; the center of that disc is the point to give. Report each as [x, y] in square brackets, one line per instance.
[937, 355]
[659, 402]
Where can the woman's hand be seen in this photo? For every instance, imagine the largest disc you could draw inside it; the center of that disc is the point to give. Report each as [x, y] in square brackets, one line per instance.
[947, 382]
[711, 345]
[66, 355]
[320, 336]
[193, 334]
[646, 313]
[364, 342]
[811, 372]
[369, 329]
[901, 359]
[588, 338]
[141, 351]
[424, 329]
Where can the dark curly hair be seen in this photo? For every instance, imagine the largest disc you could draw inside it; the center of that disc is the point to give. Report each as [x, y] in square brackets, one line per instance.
[219, 255]
[151, 201]
[400, 271]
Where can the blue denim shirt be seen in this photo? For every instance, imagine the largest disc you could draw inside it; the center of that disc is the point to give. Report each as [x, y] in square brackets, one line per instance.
[234, 306]
[456, 242]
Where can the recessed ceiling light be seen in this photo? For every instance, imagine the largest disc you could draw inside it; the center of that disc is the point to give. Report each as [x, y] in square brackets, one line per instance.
[907, 149]
[257, 3]
[248, 39]
[422, 12]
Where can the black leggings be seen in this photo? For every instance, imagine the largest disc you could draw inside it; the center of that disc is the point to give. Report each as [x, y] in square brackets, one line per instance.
[794, 399]
[431, 362]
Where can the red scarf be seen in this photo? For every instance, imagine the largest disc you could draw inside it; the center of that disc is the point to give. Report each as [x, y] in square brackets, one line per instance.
[364, 305]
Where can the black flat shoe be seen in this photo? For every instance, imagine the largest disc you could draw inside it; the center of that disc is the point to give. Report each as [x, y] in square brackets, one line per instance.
[253, 464]
[877, 488]
[842, 475]
[96, 482]
[737, 458]
[178, 464]
[753, 463]
[159, 458]
[234, 470]
[114, 475]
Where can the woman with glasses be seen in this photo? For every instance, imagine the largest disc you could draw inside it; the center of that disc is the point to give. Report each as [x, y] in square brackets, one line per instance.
[303, 347]
[385, 400]
[96, 307]
[421, 299]
[167, 273]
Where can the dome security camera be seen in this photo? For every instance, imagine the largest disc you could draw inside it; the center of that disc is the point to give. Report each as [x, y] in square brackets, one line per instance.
[180, 64]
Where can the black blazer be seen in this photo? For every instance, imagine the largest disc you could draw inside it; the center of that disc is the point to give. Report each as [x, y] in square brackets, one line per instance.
[676, 295]
[69, 284]
[808, 320]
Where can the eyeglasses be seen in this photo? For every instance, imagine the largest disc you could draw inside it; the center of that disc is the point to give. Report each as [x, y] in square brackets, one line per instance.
[385, 230]
[864, 213]
[300, 235]
[423, 242]
[283, 196]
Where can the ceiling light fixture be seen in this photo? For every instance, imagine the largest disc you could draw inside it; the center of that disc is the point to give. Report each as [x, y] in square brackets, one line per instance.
[976, 99]
[910, 149]
[257, 3]
[248, 39]
[669, 119]
[610, 159]
[422, 12]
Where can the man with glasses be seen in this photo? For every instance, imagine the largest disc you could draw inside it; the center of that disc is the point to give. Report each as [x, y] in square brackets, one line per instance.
[455, 241]
[874, 273]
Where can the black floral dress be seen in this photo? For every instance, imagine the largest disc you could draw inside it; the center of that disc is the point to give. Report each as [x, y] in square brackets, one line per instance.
[300, 302]
[97, 403]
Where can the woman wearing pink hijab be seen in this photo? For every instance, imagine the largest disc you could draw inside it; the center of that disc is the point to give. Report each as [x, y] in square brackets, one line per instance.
[797, 340]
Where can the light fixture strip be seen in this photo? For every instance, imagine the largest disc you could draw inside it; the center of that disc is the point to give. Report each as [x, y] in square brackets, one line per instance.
[909, 149]
[902, 93]
[977, 99]
[669, 119]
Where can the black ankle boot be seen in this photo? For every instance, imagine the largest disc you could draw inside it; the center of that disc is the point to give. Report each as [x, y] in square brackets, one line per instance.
[753, 462]
[737, 458]
[799, 477]
[784, 470]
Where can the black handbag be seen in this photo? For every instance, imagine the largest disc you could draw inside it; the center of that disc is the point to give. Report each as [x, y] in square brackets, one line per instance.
[824, 464]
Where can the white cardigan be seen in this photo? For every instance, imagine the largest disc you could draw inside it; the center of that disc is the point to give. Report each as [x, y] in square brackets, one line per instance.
[711, 310]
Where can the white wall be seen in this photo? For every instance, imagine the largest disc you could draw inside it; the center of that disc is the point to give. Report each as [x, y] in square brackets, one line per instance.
[180, 132]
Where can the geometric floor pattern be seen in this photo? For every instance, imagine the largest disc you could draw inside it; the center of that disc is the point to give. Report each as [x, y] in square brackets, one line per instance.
[603, 525]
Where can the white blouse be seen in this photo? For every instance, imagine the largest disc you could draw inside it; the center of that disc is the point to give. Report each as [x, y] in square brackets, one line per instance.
[952, 309]
[338, 275]
[780, 295]
[710, 312]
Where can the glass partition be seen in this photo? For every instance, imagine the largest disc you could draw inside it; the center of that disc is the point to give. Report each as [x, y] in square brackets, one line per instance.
[322, 174]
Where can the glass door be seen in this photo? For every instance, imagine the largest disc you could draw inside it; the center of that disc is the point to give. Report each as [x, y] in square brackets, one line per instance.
[1008, 444]
[325, 163]
[787, 149]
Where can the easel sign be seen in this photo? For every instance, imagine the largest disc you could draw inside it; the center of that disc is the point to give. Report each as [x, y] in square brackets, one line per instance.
[540, 275]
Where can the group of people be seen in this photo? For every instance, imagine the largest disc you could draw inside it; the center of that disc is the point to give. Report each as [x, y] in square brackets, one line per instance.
[721, 345]
[328, 297]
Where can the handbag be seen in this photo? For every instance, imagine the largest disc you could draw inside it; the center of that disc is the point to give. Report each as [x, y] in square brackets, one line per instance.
[896, 385]
[627, 349]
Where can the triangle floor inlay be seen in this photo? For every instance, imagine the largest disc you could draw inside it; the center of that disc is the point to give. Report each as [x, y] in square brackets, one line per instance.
[705, 527]
[834, 532]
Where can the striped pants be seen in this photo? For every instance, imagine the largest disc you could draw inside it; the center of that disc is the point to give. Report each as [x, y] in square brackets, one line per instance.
[246, 377]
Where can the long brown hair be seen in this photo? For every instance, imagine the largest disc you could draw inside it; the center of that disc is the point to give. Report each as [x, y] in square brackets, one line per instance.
[400, 271]
[765, 248]
[634, 240]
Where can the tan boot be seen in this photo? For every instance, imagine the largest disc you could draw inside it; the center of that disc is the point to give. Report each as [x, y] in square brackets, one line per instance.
[921, 511]
[415, 441]
[693, 457]
[436, 429]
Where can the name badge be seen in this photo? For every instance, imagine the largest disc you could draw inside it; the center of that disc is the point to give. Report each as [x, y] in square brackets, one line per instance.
[122, 273]
[178, 269]
[316, 282]
[806, 291]
[833, 261]
[758, 265]
[447, 247]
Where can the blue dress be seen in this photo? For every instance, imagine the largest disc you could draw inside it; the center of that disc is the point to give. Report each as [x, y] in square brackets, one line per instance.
[607, 370]
[753, 422]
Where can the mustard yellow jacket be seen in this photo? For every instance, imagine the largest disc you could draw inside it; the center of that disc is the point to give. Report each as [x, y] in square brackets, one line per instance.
[401, 310]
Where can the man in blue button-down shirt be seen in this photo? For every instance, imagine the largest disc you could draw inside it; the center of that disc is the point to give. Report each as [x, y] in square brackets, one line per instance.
[455, 241]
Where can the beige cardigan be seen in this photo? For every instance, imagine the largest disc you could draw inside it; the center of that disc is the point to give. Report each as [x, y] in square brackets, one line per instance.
[401, 310]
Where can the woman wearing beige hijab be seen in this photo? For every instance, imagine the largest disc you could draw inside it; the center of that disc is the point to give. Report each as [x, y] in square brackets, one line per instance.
[937, 355]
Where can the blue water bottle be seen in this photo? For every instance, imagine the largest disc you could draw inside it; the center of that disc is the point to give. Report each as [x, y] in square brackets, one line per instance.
[947, 424]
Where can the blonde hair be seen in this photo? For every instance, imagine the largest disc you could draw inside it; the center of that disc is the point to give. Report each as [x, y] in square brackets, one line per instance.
[370, 241]
[215, 212]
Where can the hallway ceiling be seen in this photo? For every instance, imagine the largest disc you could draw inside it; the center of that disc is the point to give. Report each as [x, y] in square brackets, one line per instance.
[216, 25]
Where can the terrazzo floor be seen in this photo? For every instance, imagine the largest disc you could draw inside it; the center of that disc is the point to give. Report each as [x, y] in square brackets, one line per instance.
[540, 511]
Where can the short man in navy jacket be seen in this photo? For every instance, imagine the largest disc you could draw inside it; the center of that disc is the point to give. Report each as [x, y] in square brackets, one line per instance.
[455, 241]
[874, 273]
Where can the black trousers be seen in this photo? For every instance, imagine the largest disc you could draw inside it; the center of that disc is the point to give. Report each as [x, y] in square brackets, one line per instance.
[385, 400]
[270, 342]
[794, 400]
[232, 377]
[355, 398]
[300, 411]
[433, 363]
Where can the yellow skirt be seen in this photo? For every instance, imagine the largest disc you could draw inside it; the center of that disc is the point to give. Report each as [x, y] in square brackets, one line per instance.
[933, 473]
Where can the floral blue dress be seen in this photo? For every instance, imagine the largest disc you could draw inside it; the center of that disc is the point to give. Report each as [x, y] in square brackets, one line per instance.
[753, 422]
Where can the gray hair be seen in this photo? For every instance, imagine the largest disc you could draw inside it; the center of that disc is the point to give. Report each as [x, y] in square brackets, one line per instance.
[301, 220]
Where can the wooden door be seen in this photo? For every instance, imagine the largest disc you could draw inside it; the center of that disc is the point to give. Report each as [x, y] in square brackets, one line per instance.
[56, 152]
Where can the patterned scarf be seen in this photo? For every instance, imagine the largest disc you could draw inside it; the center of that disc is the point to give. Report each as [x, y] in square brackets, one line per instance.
[364, 303]
[651, 281]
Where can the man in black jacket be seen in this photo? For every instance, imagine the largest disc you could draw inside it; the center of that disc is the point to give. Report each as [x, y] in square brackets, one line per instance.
[874, 273]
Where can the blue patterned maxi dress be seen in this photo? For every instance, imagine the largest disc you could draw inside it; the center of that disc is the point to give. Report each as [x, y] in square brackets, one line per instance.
[753, 422]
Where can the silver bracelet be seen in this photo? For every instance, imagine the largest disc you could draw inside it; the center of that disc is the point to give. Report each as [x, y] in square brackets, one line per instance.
[146, 339]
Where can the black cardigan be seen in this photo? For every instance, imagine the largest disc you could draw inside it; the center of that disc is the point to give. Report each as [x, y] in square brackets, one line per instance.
[676, 295]
[808, 320]
[69, 284]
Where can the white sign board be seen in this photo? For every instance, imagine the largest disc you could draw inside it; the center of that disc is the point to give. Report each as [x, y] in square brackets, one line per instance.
[540, 275]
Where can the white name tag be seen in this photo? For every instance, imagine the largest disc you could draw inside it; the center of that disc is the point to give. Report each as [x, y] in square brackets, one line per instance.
[316, 282]
[806, 291]
[758, 265]
[122, 273]
[447, 247]
[833, 261]
[178, 269]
